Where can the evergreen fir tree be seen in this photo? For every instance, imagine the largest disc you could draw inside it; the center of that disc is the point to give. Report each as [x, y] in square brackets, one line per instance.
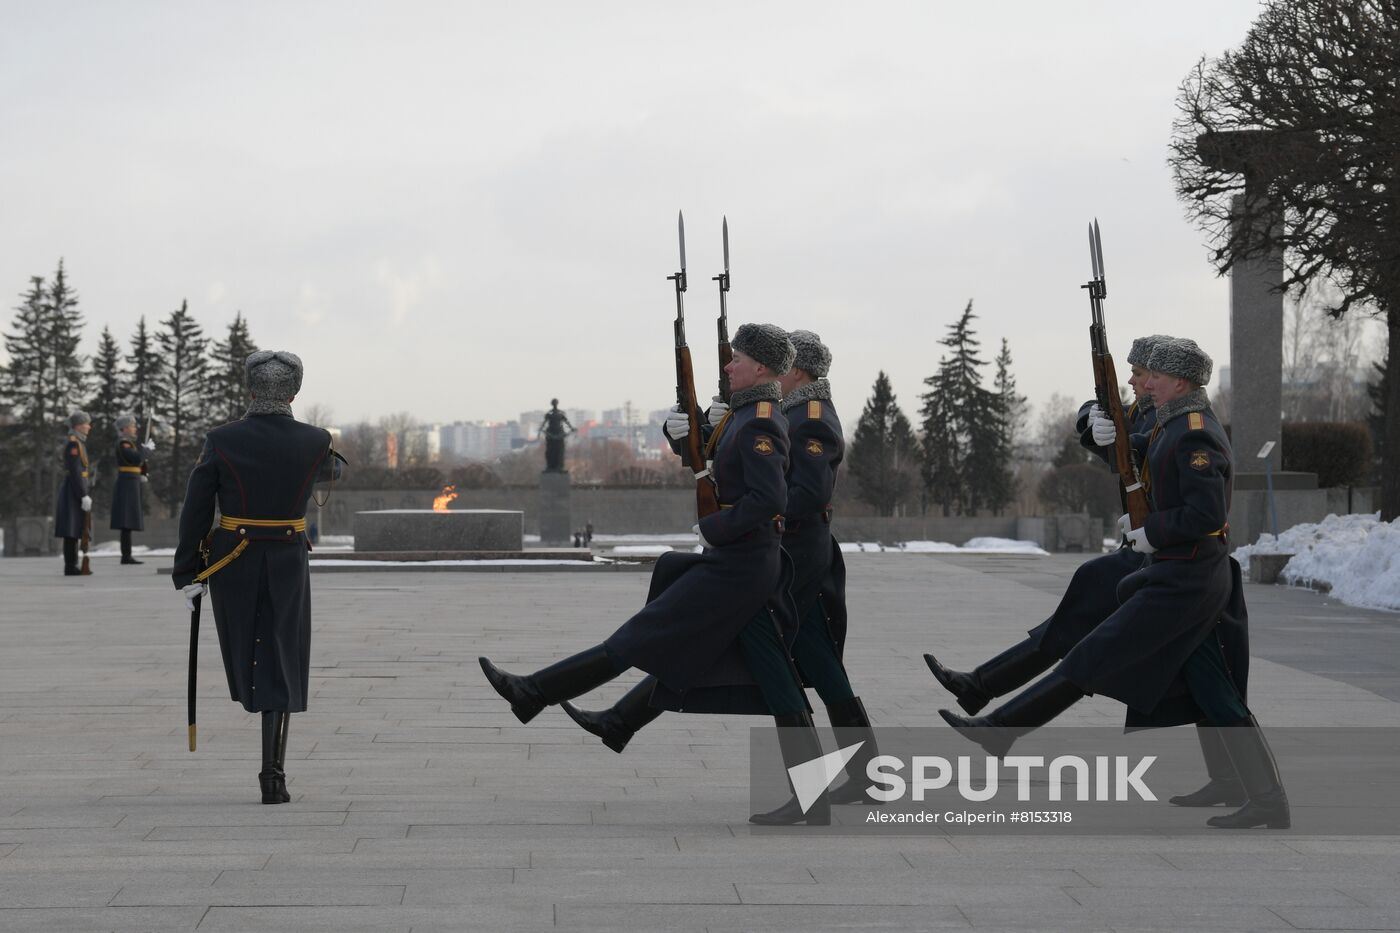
[143, 369]
[104, 405]
[883, 455]
[27, 393]
[1377, 391]
[228, 396]
[64, 332]
[179, 391]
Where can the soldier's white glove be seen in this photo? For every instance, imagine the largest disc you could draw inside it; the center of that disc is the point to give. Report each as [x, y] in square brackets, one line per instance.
[87, 503]
[1125, 525]
[145, 478]
[193, 592]
[718, 409]
[1137, 540]
[150, 443]
[677, 423]
[1101, 427]
[701, 535]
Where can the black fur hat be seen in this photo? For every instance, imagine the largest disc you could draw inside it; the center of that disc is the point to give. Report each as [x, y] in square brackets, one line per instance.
[813, 356]
[1180, 357]
[767, 344]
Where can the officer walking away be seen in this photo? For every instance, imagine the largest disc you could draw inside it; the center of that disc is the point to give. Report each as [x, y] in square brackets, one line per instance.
[131, 475]
[74, 499]
[259, 472]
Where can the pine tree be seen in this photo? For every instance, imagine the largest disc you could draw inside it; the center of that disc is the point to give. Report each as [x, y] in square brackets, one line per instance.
[1378, 391]
[883, 455]
[103, 406]
[179, 391]
[143, 369]
[228, 396]
[64, 332]
[26, 393]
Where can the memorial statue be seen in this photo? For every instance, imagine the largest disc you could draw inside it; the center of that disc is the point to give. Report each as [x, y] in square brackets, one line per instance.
[554, 428]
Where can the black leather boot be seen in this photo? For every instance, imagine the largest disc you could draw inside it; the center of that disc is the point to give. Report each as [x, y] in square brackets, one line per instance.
[1254, 763]
[1029, 709]
[618, 723]
[1013, 668]
[267, 777]
[126, 548]
[1224, 786]
[852, 725]
[797, 738]
[70, 558]
[562, 681]
[286, 721]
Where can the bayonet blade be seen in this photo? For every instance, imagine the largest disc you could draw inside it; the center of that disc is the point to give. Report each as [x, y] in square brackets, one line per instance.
[680, 226]
[1093, 258]
[1098, 249]
[725, 230]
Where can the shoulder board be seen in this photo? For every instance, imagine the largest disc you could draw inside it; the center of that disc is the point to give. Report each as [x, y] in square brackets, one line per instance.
[1196, 421]
[765, 410]
[814, 409]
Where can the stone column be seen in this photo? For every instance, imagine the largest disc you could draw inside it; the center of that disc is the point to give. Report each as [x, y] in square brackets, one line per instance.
[1256, 359]
[556, 522]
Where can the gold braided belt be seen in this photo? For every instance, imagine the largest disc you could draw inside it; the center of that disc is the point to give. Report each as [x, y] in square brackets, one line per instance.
[124, 469]
[241, 525]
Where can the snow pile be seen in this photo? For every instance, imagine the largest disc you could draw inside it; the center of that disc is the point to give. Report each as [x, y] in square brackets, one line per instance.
[641, 550]
[975, 546]
[1356, 556]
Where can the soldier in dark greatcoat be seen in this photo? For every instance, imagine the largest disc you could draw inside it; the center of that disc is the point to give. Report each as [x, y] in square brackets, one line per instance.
[259, 472]
[1169, 652]
[74, 500]
[715, 632]
[1087, 601]
[131, 475]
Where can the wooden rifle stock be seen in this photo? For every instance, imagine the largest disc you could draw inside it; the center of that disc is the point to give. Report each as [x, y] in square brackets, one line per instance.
[1106, 390]
[706, 501]
[86, 543]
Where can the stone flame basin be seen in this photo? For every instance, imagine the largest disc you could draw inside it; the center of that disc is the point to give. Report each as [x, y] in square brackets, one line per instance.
[424, 530]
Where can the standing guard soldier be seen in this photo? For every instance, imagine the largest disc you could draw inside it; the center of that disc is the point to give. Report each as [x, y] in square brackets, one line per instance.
[131, 474]
[259, 472]
[74, 506]
[816, 448]
[1167, 653]
[1091, 595]
[717, 625]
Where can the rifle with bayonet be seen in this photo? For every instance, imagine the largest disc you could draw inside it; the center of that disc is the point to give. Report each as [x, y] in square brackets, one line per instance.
[706, 501]
[1106, 387]
[726, 353]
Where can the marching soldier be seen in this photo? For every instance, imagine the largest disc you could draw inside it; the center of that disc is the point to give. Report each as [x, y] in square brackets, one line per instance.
[717, 625]
[131, 474]
[816, 448]
[1091, 595]
[259, 472]
[74, 505]
[1165, 653]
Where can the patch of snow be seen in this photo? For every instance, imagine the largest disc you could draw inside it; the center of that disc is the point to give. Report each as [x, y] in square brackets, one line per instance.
[641, 549]
[974, 546]
[1357, 556]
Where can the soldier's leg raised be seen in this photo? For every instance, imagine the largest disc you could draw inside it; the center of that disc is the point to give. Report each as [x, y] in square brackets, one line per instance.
[561, 681]
[1013, 668]
[1028, 710]
[618, 723]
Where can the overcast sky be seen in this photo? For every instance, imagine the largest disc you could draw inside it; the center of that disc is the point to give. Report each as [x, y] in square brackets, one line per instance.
[463, 209]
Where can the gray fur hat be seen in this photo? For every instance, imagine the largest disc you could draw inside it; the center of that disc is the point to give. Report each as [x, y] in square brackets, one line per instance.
[1181, 358]
[1142, 349]
[77, 418]
[813, 356]
[767, 344]
[124, 421]
[273, 374]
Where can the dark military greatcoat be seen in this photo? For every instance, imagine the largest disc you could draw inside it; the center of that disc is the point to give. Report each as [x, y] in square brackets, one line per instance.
[817, 449]
[126, 491]
[1187, 591]
[68, 513]
[687, 633]
[1092, 595]
[259, 472]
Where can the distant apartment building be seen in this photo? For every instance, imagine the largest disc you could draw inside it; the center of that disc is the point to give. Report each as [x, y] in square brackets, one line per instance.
[480, 440]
